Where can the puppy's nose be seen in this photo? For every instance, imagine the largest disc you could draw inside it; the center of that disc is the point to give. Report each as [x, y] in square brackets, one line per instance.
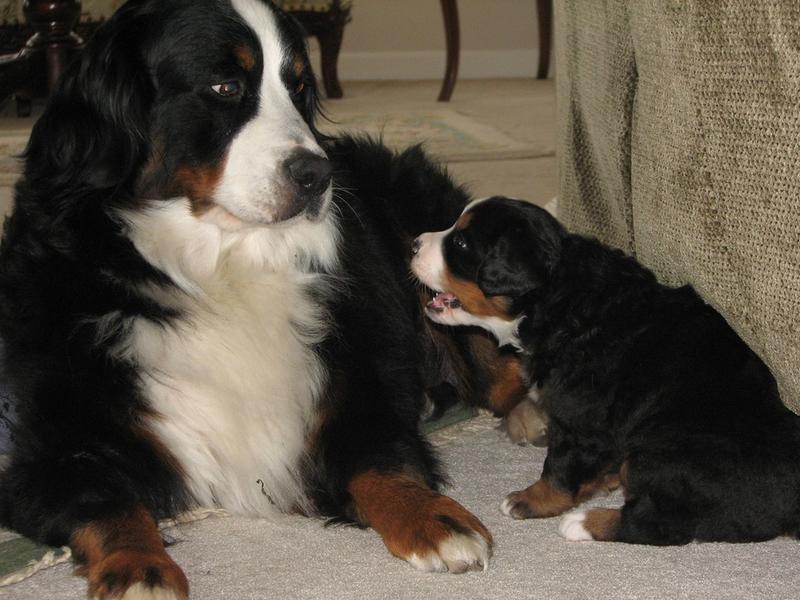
[415, 246]
[310, 172]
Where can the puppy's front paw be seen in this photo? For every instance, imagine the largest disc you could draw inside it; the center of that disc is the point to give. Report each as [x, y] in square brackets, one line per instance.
[517, 506]
[571, 527]
[537, 501]
[598, 524]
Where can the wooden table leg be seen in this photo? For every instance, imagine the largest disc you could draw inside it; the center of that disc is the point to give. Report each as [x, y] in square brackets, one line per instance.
[452, 35]
[544, 10]
[35, 70]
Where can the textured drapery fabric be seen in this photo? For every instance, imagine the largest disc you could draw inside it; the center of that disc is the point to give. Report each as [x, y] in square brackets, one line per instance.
[680, 143]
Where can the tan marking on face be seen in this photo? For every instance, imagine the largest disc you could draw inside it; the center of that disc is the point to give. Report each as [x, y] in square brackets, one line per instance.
[463, 221]
[473, 299]
[118, 552]
[245, 57]
[411, 518]
[603, 523]
[199, 185]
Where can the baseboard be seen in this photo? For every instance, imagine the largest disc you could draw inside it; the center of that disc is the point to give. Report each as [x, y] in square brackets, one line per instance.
[430, 64]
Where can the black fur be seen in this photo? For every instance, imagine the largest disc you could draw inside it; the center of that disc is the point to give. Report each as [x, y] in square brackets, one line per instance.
[122, 122]
[634, 372]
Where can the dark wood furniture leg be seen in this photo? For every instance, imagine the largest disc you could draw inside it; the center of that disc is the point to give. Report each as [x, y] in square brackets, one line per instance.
[36, 68]
[452, 35]
[330, 42]
[544, 10]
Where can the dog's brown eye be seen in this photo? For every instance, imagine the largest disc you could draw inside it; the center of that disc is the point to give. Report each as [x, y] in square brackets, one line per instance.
[228, 89]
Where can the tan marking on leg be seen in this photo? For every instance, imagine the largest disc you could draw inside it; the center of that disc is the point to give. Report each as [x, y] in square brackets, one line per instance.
[119, 552]
[508, 388]
[412, 519]
[603, 523]
[605, 482]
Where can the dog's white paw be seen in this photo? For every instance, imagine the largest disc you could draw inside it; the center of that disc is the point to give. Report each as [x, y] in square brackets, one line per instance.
[457, 553]
[141, 591]
[572, 527]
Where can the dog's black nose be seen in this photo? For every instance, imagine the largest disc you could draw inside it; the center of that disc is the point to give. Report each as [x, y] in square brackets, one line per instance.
[415, 246]
[310, 172]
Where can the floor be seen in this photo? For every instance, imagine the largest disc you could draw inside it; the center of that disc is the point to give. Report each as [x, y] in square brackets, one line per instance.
[522, 108]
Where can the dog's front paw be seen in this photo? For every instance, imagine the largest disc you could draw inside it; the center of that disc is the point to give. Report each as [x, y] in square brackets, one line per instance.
[446, 538]
[135, 575]
[431, 531]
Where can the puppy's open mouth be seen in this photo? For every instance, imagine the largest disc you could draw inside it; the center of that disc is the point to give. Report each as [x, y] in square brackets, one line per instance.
[442, 301]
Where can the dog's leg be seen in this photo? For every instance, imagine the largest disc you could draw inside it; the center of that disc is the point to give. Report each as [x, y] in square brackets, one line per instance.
[429, 530]
[124, 557]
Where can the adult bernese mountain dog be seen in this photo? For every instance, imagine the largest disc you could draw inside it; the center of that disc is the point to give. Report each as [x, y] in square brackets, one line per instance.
[646, 386]
[204, 301]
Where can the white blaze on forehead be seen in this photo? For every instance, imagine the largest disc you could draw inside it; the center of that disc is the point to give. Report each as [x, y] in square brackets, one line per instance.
[252, 180]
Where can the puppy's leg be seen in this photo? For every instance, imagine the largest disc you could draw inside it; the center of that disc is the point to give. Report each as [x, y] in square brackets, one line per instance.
[639, 521]
[571, 475]
[124, 557]
[429, 530]
[526, 423]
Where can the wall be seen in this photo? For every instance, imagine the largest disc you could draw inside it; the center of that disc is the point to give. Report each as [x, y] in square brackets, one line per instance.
[404, 39]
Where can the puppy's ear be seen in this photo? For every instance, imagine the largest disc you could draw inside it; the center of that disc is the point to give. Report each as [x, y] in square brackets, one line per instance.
[523, 258]
[94, 133]
[505, 271]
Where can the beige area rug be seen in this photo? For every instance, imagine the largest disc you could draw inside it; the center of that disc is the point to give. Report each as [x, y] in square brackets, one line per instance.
[298, 558]
[448, 135]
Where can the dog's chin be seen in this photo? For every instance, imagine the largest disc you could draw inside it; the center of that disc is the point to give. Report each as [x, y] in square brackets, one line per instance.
[229, 220]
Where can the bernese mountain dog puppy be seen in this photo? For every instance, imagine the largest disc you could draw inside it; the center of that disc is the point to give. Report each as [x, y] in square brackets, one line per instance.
[646, 386]
[206, 302]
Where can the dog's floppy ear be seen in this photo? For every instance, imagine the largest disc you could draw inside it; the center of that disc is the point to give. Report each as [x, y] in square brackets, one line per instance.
[93, 132]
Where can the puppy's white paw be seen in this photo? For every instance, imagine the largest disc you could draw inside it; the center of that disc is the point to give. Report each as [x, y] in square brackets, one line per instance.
[456, 553]
[572, 527]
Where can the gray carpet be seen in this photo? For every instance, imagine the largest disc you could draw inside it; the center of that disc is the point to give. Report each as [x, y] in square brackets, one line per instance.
[298, 558]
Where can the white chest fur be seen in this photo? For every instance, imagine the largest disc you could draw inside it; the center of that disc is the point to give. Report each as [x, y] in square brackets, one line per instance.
[234, 381]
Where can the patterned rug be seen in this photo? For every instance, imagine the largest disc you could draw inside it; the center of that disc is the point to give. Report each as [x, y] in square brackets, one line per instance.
[448, 135]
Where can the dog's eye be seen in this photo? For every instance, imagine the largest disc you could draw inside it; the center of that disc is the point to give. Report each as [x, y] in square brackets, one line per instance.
[228, 89]
[459, 241]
